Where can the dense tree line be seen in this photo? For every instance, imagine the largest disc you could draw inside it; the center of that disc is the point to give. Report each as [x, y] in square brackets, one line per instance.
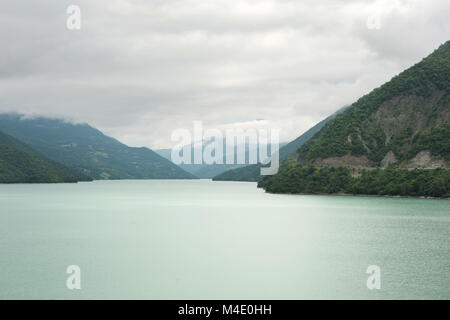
[295, 178]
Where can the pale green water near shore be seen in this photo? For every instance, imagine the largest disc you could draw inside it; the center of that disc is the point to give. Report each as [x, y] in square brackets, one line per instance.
[217, 240]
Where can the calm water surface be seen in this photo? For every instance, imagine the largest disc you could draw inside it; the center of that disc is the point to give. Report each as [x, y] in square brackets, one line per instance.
[217, 240]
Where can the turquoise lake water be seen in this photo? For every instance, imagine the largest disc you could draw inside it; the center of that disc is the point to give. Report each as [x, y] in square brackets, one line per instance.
[217, 240]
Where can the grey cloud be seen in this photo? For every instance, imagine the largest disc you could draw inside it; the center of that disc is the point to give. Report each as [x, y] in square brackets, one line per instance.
[139, 69]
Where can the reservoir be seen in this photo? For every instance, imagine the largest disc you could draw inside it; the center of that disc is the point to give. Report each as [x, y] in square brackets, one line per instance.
[198, 239]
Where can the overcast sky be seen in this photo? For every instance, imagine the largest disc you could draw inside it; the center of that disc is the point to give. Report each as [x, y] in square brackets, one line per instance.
[138, 70]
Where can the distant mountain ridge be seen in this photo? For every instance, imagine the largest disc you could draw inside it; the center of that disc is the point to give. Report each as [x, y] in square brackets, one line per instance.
[209, 171]
[252, 172]
[87, 149]
[21, 164]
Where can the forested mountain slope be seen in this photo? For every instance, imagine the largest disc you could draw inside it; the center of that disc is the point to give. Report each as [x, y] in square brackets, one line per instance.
[21, 164]
[393, 141]
[85, 148]
[404, 122]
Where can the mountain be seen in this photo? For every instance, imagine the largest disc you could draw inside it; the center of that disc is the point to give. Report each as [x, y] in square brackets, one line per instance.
[252, 172]
[404, 122]
[21, 164]
[87, 149]
[393, 141]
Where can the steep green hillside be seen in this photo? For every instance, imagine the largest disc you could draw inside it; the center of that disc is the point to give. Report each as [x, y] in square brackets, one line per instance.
[402, 127]
[87, 149]
[20, 164]
[252, 172]
[404, 122]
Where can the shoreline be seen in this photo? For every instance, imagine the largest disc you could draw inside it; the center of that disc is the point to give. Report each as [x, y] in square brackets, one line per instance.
[360, 195]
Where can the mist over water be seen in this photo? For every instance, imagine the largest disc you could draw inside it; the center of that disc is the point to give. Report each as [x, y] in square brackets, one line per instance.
[200, 239]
